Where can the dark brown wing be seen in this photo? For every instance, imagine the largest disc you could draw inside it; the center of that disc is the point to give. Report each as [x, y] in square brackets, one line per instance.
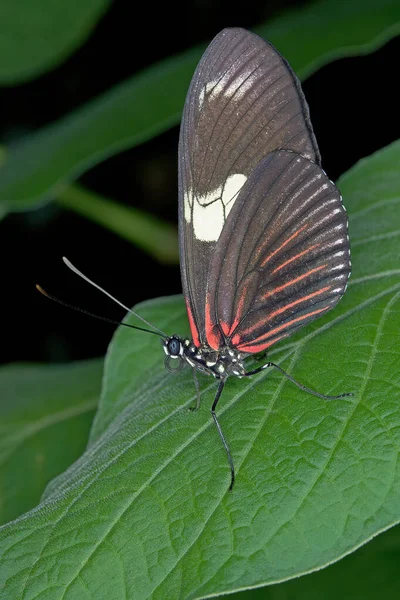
[283, 258]
[244, 101]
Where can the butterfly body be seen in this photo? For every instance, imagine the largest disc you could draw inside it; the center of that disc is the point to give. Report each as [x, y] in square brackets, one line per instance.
[218, 363]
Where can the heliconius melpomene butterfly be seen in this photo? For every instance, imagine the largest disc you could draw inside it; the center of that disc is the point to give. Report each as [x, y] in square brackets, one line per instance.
[263, 233]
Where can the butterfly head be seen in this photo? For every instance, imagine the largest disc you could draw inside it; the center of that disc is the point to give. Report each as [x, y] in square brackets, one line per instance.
[173, 346]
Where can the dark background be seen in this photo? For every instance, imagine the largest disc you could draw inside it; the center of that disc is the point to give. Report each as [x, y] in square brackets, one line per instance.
[352, 102]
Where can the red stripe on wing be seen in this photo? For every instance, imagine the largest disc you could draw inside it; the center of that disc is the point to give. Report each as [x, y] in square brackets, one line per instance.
[225, 327]
[193, 327]
[213, 333]
[239, 312]
[282, 309]
[252, 348]
[287, 262]
[236, 338]
[292, 282]
[294, 235]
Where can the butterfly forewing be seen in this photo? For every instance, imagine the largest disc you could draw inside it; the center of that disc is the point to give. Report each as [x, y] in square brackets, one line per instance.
[243, 103]
[283, 257]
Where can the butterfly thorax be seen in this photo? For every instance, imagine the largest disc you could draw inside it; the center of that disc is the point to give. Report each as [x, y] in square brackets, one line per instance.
[218, 363]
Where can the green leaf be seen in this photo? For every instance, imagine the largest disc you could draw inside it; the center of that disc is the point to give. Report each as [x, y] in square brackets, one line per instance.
[318, 33]
[45, 415]
[370, 573]
[145, 512]
[38, 167]
[35, 39]
[151, 102]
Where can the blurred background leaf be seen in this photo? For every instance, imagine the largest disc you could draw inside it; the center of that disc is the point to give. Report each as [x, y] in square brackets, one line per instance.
[157, 238]
[35, 38]
[370, 573]
[129, 114]
[45, 415]
[319, 32]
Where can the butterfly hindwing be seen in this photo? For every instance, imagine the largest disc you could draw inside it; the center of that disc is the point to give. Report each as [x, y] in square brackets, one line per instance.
[283, 257]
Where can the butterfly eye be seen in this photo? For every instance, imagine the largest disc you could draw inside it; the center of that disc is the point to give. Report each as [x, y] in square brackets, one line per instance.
[174, 347]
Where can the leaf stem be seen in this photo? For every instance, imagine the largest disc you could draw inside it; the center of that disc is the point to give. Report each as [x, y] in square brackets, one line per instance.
[152, 235]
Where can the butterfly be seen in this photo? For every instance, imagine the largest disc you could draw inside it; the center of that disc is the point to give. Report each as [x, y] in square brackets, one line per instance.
[263, 233]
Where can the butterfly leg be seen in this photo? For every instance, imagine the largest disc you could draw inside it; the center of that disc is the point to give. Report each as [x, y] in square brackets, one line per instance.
[299, 385]
[197, 386]
[221, 435]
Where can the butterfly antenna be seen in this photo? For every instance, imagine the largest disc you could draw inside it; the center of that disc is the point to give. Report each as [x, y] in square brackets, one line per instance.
[77, 272]
[86, 312]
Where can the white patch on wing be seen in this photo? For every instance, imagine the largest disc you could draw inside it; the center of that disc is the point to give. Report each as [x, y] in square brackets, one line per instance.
[232, 187]
[337, 242]
[208, 221]
[338, 227]
[337, 267]
[238, 87]
[208, 213]
[211, 89]
[187, 205]
[201, 97]
[210, 197]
